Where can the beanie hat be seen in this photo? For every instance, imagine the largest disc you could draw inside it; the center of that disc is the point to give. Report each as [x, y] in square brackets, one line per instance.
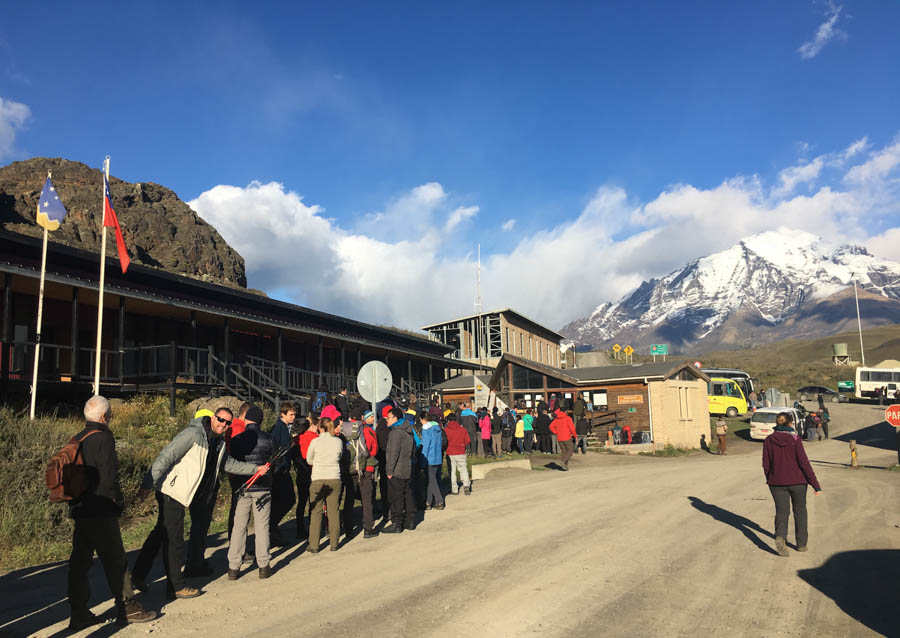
[199, 414]
[254, 415]
[367, 414]
[330, 412]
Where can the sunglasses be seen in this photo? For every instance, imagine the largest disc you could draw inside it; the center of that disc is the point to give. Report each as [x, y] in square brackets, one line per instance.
[225, 421]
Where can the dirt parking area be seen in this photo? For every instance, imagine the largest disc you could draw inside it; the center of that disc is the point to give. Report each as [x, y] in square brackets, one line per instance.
[618, 546]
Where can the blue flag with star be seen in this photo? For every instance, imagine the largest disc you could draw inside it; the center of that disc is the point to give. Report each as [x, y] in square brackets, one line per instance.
[50, 210]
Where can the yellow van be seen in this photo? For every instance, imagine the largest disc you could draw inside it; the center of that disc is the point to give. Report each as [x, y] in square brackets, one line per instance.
[725, 397]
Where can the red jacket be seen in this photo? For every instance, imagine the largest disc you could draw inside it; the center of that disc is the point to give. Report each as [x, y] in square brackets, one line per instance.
[563, 427]
[304, 441]
[371, 446]
[457, 439]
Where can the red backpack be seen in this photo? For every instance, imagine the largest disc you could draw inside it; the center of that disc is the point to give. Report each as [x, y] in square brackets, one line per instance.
[66, 475]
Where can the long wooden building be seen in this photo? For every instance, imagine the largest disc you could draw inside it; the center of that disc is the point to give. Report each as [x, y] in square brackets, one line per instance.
[166, 332]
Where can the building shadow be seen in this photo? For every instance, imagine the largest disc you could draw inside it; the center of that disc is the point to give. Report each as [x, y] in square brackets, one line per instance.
[859, 582]
[747, 527]
[881, 435]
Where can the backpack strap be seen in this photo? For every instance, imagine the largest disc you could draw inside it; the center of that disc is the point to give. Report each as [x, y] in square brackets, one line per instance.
[80, 442]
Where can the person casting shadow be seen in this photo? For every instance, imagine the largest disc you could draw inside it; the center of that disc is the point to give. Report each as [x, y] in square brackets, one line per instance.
[745, 525]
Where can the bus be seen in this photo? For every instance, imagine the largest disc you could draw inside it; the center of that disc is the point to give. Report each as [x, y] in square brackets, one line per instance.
[870, 380]
[744, 380]
[725, 397]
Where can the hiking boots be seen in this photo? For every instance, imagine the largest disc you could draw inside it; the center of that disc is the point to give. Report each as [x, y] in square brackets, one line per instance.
[82, 621]
[370, 533]
[439, 507]
[233, 574]
[803, 549]
[184, 592]
[467, 491]
[265, 572]
[781, 547]
[132, 612]
[392, 529]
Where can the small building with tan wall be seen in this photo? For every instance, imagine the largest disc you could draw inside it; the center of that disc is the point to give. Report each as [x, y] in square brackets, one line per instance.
[662, 403]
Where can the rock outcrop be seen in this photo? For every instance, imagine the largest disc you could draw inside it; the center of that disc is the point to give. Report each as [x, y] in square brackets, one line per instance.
[160, 230]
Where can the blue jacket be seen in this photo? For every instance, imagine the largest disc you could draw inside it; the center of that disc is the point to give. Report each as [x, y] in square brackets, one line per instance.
[431, 443]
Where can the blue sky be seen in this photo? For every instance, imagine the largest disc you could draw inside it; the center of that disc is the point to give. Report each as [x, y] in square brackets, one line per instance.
[386, 122]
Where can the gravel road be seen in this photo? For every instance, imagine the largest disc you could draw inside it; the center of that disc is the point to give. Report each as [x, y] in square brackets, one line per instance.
[618, 546]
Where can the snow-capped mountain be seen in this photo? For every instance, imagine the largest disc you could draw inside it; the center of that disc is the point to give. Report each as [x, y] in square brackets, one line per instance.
[777, 284]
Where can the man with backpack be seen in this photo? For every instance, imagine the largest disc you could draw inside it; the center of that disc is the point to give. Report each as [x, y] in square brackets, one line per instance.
[469, 421]
[366, 465]
[283, 497]
[508, 425]
[94, 506]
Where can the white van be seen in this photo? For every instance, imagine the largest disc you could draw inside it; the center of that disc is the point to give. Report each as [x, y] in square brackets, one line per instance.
[762, 423]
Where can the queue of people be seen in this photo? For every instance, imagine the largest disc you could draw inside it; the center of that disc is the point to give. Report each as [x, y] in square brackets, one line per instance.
[339, 455]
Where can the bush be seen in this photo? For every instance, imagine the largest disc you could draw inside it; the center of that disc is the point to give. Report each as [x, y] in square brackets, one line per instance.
[34, 530]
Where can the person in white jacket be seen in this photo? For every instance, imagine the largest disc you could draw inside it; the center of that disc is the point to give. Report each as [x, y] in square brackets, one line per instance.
[187, 466]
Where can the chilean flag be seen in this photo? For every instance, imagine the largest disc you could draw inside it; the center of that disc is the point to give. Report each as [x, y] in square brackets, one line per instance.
[111, 221]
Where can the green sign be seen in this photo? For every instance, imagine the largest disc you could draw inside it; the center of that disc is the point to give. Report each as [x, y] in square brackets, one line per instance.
[659, 348]
[846, 385]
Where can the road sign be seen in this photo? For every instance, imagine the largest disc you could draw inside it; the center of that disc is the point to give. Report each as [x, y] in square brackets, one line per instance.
[698, 365]
[374, 381]
[617, 347]
[628, 349]
[659, 348]
[892, 415]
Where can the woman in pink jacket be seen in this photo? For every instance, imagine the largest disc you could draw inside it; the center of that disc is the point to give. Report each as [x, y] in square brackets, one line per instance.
[485, 424]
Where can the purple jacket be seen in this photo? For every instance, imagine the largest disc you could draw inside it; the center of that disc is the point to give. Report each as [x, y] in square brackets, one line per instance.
[785, 461]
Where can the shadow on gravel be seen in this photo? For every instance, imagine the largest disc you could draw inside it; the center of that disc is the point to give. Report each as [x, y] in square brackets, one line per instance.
[859, 583]
[881, 435]
[747, 527]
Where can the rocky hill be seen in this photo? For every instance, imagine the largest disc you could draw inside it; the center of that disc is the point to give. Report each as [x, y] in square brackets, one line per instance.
[775, 285]
[160, 230]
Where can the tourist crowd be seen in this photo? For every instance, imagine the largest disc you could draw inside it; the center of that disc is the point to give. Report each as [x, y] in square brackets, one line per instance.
[338, 454]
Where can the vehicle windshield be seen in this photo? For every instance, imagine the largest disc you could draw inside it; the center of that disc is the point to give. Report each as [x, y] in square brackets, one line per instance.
[764, 417]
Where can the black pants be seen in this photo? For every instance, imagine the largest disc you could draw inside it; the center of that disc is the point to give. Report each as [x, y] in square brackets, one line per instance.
[546, 442]
[367, 496]
[420, 483]
[168, 536]
[787, 496]
[529, 440]
[201, 516]
[384, 490]
[283, 498]
[434, 496]
[403, 508]
[348, 493]
[234, 482]
[474, 436]
[488, 446]
[99, 535]
[303, 481]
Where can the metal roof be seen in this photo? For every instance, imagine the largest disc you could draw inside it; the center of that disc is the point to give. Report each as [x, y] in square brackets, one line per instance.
[496, 312]
[462, 382]
[598, 374]
[19, 255]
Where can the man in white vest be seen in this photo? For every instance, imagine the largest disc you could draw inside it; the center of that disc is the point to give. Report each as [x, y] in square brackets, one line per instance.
[185, 468]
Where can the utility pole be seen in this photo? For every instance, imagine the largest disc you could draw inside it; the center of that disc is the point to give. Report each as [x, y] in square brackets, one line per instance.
[862, 351]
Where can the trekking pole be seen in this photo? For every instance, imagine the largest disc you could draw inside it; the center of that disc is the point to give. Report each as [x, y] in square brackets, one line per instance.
[268, 465]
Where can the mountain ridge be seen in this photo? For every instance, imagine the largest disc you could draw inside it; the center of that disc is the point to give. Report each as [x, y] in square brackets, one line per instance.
[773, 285]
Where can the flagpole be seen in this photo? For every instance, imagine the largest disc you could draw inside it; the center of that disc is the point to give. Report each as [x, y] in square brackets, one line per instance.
[40, 314]
[102, 284]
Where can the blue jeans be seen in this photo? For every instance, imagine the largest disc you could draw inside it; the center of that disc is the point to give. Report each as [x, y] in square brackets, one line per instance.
[520, 443]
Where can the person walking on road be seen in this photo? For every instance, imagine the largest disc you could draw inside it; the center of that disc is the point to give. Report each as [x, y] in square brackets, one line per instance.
[96, 517]
[721, 434]
[564, 430]
[324, 456]
[788, 472]
[457, 442]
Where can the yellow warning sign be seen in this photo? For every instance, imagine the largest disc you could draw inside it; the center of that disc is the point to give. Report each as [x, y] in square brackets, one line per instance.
[617, 347]
[628, 349]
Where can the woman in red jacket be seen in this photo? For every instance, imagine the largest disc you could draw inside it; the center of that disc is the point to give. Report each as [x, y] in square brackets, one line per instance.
[788, 472]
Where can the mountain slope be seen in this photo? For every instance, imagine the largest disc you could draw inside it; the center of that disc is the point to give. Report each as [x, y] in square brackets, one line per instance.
[160, 230]
[773, 285]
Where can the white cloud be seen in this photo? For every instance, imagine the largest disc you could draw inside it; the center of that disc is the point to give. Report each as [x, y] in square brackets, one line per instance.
[508, 225]
[800, 174]
[394, 266]
[13, 116]
[826, 32]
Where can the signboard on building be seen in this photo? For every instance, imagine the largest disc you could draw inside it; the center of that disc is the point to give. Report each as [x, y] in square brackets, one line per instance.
[485, 398]
[630, 399]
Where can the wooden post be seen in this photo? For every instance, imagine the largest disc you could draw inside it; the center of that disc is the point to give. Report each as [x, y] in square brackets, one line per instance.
[6, 350]
[174, 354]
[210, 365]
[358, 357]
[121, 341]
[854, 462]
